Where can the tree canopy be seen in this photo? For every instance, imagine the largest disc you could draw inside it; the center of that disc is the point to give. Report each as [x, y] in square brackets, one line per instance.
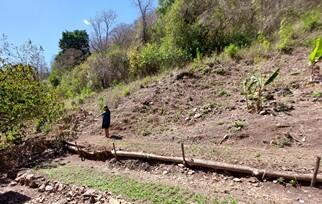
[77, 39]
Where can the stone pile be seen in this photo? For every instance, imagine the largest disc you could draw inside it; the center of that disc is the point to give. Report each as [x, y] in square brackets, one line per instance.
[63, 193]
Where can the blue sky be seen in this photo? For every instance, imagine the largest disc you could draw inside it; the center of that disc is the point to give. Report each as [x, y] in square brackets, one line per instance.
[43, 21]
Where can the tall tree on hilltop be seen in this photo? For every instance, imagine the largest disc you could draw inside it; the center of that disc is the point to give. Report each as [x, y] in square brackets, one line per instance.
[74, 47]
[77, 39]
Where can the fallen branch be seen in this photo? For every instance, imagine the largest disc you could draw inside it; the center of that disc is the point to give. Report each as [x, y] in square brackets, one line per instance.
[197, 163]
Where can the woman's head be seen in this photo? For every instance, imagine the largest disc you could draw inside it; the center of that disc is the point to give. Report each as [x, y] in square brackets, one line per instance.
[106, 108]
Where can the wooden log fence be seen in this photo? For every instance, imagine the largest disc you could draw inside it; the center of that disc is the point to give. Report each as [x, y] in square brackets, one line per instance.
[198, 163]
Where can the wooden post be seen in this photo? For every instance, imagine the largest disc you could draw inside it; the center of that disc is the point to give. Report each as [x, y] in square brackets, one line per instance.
[114, 150]
[316, 170]
[183, 155]
[80, 153]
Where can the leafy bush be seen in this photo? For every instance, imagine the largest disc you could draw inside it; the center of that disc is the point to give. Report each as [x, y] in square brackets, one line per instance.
[151, 58]
[55, 77]
[24, 99]
[231, 50]
[285, 33]
[145, 60]
[99, 71]
[310, 20]
[263, 41]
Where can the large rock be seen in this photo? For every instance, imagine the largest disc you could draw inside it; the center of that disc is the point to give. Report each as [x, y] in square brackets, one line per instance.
[49, 188]
[89, 193]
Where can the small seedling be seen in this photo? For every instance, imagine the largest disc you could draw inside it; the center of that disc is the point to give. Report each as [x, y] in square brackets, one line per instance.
[316, 94]
[253, 89]
[293, 182]
[280, 180]
[238, 125]
[282, 142]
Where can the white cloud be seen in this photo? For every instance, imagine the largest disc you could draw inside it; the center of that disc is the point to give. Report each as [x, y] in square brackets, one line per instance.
[86, 22]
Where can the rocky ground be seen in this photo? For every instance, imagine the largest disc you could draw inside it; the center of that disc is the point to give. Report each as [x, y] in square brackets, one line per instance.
[33, 189]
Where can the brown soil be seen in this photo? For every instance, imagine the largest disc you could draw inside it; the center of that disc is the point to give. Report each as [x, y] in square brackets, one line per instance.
[199, 109]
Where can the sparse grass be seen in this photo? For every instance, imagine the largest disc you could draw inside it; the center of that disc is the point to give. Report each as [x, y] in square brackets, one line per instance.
[238, 125]
[223, 93]
[316, 94]
[221, 71]
[129, 188]
[282, 142]
[120, 90]
[310, 20]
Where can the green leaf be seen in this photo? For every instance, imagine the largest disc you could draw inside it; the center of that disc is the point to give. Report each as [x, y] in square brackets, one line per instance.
[316, 54]
[272, 77]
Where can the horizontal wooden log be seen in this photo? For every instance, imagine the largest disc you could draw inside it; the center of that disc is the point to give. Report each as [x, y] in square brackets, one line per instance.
[198, 163]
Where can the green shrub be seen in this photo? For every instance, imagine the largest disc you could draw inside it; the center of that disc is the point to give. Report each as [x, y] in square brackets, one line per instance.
[231, 50]
[144, 60]
[55, 77]
[285, 33]
[24, 99]
[316, 94]
[311, 20]
[263, 41]
[152, 58]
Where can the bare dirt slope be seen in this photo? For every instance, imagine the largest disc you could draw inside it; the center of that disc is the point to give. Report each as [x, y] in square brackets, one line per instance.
[199, 108]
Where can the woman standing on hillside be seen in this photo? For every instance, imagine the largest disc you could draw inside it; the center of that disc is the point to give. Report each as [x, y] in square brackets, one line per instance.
[106, 121]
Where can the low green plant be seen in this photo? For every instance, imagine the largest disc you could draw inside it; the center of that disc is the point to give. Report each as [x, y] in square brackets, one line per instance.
[282, 142]
[253, 88]
[316, 94]
[126, 91]
[263, 41]
[280, 180]
[285, 33]
[231, 50]
[238, 125]
[316, 55]
[310, 20]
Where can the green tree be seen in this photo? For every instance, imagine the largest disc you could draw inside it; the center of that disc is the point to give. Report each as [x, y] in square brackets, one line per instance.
[75, 49]
[23, 99]
[77, 39]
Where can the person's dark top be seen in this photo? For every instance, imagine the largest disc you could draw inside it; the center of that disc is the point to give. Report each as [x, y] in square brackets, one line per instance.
[106, 119]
